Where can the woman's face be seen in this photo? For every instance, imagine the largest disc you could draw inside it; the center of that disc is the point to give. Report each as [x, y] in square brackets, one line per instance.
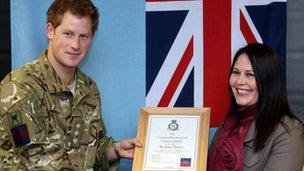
[243, 83]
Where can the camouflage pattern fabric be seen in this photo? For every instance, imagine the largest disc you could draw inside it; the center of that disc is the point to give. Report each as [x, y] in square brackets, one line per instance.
[44, 127]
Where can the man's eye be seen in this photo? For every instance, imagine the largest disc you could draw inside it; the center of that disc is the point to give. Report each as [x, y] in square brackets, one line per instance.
[68, 34]
[84, 36]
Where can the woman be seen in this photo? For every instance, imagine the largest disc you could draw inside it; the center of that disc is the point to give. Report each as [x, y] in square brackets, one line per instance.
[260, 131]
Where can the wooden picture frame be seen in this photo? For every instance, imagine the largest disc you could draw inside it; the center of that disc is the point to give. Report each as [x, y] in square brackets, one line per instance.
[159, 125]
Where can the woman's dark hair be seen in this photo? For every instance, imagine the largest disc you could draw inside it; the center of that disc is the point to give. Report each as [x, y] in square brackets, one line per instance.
[272, 101]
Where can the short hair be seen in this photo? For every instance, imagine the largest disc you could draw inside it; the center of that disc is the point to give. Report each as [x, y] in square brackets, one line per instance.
[80, 8]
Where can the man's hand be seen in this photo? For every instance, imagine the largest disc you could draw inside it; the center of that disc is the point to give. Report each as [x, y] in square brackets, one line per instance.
[126, 148]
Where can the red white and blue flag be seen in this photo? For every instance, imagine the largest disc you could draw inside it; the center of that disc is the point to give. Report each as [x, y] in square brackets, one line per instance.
[185, 162]
[190, 45]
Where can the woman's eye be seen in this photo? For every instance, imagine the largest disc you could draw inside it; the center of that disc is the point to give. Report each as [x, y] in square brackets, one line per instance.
[250, 75]
[235, 72]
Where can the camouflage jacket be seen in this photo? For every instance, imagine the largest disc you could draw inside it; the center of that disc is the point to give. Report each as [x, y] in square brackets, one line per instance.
[44, 127]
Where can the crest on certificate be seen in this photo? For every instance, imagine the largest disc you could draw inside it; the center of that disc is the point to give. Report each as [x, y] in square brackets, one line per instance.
[173, 126]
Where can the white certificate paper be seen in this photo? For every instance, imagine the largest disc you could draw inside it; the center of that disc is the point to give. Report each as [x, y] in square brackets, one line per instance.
[172, 142]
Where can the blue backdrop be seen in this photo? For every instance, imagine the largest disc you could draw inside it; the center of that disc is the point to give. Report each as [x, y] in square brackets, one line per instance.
[116, 60]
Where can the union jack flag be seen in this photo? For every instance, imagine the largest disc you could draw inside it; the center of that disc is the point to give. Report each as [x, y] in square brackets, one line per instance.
[190, 45]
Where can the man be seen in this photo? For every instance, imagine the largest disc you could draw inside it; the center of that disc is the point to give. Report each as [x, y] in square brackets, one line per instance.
[50, 110]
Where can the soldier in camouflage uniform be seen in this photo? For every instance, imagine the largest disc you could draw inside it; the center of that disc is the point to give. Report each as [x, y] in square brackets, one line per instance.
[50, 110]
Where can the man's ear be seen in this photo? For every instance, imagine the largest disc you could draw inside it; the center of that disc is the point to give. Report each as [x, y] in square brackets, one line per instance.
[50, 31]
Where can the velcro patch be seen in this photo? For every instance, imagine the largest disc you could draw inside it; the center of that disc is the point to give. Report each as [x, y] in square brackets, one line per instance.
[14, 119]
[20, 135]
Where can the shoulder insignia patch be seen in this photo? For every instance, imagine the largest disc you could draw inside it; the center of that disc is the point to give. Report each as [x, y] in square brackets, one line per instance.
[20, 135]
[14, 119]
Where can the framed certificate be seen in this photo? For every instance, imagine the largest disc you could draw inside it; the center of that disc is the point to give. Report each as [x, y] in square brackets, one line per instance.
[173, 139]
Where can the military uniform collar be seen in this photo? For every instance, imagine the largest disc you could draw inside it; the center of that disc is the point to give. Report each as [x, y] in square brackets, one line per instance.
[82, 88]
[53, 82]
[55, 85]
